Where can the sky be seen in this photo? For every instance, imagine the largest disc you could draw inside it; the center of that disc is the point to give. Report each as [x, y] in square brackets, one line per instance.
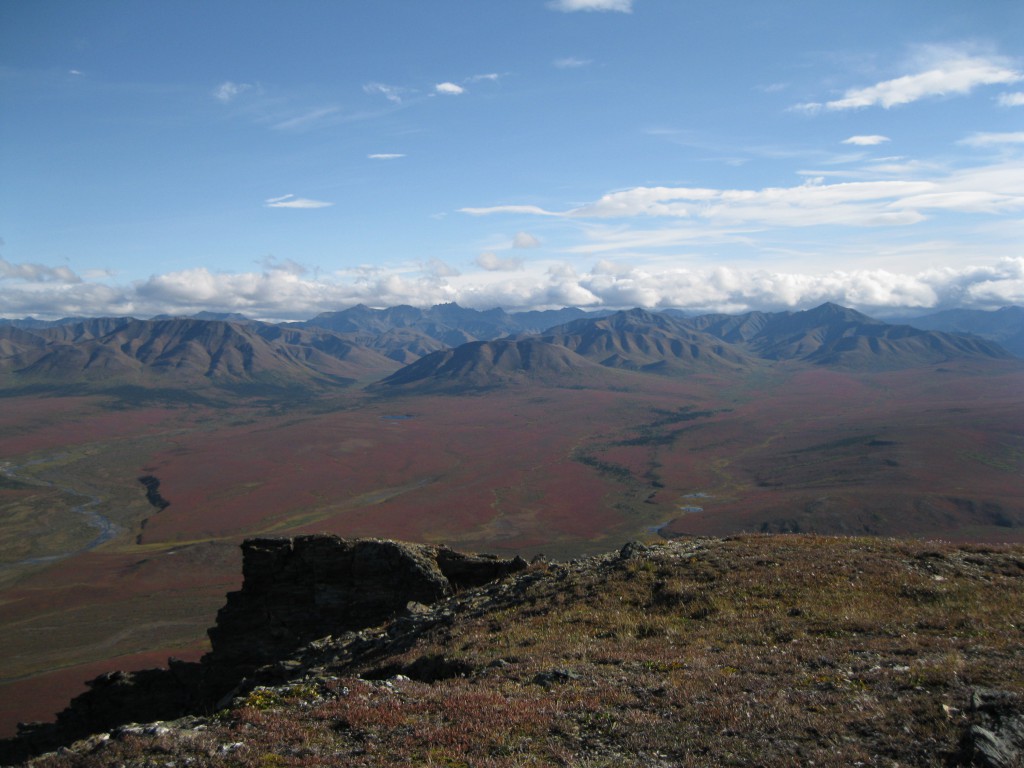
[282, 159]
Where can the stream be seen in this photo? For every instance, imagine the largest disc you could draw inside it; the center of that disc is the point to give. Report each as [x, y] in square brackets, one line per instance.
[106, 528]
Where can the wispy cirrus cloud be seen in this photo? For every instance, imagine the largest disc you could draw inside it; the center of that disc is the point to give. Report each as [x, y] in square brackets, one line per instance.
[291, 201]
[1011, 99]
[568, 6]
[533, 210]
[392, 93]
[993, 139]
[306, 119]
[942, 71]
[229, 91]
[385, 156]
[866, 141]
[571, 62]
[995, 189]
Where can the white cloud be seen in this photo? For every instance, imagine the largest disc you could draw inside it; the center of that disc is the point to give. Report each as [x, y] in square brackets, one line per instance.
[283, 265]
[737, 290]
[290, 201]
[489, 76]
[438, 268]
[625, 6]
[385, 156]
[879, 202]
[288, 291]
[528, 209]
[392, 93]
[304, 120]
[37, 273]
[449, 89]
[494, 263]
[993, 139]
[227, 91]
[525, 240]
[1011, 99]
[571, 62]
[866, 141]
[944, 72]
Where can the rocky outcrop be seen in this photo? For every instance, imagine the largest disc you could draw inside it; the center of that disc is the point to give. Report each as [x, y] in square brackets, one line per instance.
[996, 739]
[294, 591]
[113, 699]
[297, 590]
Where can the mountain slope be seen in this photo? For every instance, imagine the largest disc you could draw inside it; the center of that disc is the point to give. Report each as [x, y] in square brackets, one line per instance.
[487, 364]
[185, 352]
[1004, 326]
[406, 333]
[835, 336]
[447, 323]
[638, 340]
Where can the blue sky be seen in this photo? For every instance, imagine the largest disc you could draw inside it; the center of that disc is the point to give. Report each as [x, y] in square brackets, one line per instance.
[284, 159]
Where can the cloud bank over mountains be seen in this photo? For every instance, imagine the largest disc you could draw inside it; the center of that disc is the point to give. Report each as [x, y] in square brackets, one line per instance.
[287, 291]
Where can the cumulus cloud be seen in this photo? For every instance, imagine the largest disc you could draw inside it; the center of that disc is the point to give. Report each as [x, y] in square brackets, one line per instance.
[284, 290]
[494, 263]
[1011, 99]
[567, 6]
[943, 72]
[525, 240]
[449, 89]
[866, 141]
[228, 91]
[37, 273]
[736, 290]
[438, 268]
[385, 156]
[291, 201]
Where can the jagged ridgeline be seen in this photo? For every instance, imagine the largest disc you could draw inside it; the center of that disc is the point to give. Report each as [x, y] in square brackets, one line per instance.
[754, 650]
[452, 348]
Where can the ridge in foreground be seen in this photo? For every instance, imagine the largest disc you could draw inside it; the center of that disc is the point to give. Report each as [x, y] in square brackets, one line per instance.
[753, 650]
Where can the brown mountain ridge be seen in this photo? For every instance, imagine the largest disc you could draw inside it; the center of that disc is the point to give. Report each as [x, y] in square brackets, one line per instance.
[442, 349]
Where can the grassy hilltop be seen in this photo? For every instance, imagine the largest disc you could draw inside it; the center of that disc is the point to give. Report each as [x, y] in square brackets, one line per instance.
[751, 650]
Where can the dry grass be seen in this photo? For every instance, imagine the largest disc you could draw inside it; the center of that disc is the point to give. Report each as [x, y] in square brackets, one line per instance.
[754, 650]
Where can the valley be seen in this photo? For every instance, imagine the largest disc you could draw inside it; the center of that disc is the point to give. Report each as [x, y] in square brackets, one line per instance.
[507, 450]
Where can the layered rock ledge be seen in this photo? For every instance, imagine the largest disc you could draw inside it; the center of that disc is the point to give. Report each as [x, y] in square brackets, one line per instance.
[294, 590]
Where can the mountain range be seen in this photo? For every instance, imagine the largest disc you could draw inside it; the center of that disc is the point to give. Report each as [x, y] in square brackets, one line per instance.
[452, 347]
[1004, 326]
[183, 352]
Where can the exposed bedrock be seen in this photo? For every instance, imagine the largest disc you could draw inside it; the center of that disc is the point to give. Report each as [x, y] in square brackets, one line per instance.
[294, 590]
[297, 590]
